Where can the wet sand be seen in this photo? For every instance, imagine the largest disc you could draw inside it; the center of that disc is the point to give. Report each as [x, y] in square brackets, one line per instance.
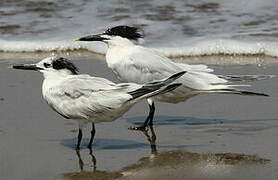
[207, 137]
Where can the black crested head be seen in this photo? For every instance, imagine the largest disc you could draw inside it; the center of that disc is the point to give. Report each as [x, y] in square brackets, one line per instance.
[132, 33]
[63, 63]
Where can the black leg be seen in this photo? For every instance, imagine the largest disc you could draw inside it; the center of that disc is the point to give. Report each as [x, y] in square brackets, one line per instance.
[79, 139]
[93, 132]
[148, 121]
[151, 114]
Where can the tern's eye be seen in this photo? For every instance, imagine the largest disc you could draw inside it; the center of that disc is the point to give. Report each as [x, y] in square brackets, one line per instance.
[47, 65]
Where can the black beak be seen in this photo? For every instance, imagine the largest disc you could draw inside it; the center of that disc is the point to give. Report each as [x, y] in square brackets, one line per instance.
[26, 67]
[97, 37]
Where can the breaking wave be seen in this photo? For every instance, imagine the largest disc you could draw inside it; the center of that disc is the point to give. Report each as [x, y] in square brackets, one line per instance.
[198, 48]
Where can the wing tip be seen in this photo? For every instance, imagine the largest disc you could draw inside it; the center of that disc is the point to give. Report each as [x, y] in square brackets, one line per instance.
[177, 75]
[249, 93]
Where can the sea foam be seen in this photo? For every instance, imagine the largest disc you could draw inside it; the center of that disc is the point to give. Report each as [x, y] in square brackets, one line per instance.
[198, 48]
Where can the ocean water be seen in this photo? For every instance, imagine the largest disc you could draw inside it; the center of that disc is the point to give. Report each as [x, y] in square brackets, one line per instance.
[176, 28]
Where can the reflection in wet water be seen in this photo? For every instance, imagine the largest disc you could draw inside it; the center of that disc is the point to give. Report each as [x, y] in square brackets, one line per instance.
[93, 173]
[81, 163]
[152, 140]
[179, 164]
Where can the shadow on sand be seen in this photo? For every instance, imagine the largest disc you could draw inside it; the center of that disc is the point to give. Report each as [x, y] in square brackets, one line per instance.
[182, 120]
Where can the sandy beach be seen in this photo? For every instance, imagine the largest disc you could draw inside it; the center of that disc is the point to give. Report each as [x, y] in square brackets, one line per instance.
[207, 137]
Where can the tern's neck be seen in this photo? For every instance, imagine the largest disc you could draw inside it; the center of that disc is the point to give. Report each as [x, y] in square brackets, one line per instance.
[61, 74]
[52, 80]
[119, 41]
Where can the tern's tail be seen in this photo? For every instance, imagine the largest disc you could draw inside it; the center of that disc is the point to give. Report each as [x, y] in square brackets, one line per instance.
[239, 92]
[245, 78]
[157, 87]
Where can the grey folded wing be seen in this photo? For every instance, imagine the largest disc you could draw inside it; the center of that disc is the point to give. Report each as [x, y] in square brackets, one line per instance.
[86, 97]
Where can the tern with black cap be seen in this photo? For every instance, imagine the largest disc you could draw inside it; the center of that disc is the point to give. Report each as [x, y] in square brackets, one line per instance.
[91, 99]
[137, 64]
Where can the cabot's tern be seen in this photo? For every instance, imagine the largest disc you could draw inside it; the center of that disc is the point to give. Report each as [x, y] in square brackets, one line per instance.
[91, 99]
[137, 64]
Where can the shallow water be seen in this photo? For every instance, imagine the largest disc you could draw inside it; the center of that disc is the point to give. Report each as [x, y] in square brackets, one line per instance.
[176, 28]
[37, 143]
[202, 18]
